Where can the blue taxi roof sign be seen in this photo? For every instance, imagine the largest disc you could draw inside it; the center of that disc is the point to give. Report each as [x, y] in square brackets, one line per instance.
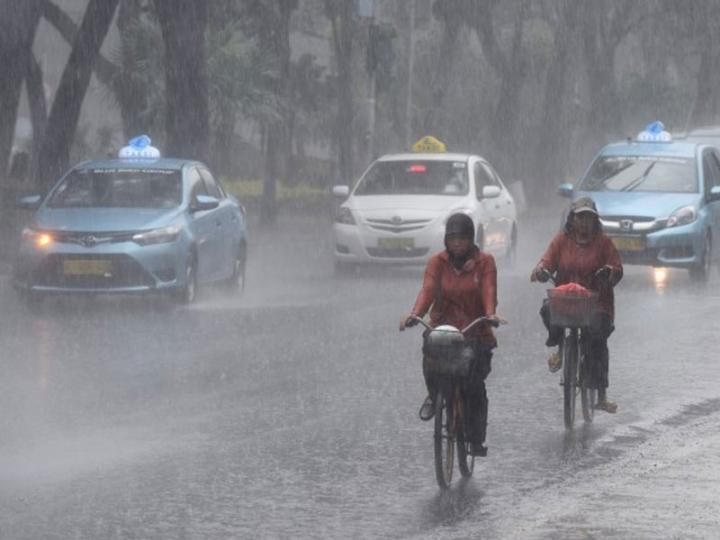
[654, 132]
[429, 144]
[139, 148]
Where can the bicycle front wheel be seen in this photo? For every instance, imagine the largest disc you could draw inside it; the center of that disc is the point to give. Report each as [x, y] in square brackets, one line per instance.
[588, 396]
[444, 441]
[466, 460]
[570, 358]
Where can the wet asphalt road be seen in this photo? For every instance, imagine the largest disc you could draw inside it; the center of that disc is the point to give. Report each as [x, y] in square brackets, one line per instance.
[291, 412]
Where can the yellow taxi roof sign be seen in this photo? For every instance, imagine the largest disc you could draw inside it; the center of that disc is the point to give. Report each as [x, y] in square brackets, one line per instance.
[428, 144]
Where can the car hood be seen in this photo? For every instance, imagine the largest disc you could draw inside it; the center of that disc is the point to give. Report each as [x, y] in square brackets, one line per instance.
[656, 205]
[431, 203]
[103, 219]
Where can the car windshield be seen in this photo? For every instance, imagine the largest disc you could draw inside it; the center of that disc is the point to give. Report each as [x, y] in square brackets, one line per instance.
[415, 178]
[118, 188]
[642, 173]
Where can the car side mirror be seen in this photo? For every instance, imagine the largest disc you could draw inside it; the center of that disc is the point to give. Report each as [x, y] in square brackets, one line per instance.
[566, 190]
[341, 191]
[491, 192]
[715, 193]
[204, 202]
[30, 202]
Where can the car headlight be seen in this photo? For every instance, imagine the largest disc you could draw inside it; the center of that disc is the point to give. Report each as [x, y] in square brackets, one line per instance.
[39, 239]
[344, 215]
[157, 236]
[682, 216]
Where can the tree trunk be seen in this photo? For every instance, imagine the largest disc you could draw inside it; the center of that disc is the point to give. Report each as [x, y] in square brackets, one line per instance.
[547, 164]
[183, 24]
[38, 110]
[18, 23]
[341, 18]
[70, 94]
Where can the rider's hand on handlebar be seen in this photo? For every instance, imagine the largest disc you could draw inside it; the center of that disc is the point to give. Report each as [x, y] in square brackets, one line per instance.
[604, 273]
[540, 274]
[407, 321]
[495, 320]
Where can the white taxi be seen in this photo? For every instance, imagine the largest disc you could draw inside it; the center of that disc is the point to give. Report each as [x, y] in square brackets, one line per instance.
[396, 212]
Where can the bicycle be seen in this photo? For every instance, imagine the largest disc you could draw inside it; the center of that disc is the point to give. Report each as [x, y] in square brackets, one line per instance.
[574, 313]
[450, 361]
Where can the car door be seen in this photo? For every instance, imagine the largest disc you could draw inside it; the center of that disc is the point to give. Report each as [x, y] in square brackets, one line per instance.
[227, 226]
[203, 224]
[488, 209]
[507, 211]
[711, 179]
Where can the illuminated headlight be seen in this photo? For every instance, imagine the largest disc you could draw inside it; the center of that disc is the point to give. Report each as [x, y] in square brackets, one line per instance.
[344, 215]
[157, 236]
[682, 216]
[38, 239]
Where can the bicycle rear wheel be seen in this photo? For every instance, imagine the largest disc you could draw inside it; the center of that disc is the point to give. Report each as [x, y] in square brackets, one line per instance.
[444, 441]
[570, 358]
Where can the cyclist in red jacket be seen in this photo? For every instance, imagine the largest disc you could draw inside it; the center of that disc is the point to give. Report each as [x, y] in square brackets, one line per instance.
[575, 255]
[460, 285]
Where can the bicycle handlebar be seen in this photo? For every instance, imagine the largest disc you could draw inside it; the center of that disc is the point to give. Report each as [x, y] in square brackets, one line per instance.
[601, 273]
[494, 322]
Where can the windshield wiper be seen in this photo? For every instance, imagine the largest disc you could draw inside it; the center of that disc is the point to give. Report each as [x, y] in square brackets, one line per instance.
[639, 180]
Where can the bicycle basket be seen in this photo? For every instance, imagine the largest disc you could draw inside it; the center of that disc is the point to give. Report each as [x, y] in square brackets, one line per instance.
[572, 309]
[445, 353]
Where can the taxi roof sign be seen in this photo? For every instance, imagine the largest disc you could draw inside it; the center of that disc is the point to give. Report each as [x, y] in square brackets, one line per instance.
[429, 144]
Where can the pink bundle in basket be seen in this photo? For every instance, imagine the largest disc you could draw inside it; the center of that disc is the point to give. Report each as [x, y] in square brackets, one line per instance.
[572, 289]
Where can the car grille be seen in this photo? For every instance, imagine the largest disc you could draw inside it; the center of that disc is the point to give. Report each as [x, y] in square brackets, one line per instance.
[388, 225]
[125, 272]
[398, 253]
[92, 238]
[632, 224]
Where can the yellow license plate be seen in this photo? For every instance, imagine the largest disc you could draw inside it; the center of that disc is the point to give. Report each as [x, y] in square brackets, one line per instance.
[396, 243]
[633, 243]
[86, 267]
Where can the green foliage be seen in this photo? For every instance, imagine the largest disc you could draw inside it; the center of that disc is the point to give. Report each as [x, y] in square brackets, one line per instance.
[301, 195]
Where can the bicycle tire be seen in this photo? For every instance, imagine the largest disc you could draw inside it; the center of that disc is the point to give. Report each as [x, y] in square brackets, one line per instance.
[444, 441]
[466, 460]
[588, 396]
[570, 357]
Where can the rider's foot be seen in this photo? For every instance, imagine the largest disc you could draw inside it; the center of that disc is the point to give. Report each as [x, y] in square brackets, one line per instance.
[554, 362]
[606, 405]
[427, 409]
[478, 449]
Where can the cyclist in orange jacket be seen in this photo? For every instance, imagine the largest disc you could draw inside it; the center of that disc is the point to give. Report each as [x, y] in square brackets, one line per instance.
[575, 255]
[460, 285]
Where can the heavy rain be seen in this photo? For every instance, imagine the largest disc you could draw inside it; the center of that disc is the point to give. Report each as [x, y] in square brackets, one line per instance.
[205, 345]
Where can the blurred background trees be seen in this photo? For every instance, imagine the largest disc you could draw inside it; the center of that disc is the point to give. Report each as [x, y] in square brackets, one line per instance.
[308, 91]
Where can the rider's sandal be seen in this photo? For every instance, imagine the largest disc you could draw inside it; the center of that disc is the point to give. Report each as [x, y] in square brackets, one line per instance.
[554, 362]
[427, 409]
[607, 406]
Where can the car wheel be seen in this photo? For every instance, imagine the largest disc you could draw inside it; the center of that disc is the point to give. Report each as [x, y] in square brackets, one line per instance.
[32, 300]
[237, 279]
[344, 268]
[480, 238]
[701, 273]
[188, 292]
[511, 255]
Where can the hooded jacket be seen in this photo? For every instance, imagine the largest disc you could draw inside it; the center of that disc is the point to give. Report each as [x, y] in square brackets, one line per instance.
[459, 296]
[577, 263]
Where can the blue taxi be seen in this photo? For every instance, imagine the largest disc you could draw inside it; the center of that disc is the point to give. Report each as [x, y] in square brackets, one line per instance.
[658, 199]
[136, 224]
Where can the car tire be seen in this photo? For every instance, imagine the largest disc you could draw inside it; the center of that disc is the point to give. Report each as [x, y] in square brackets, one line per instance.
[188, 292]
[701, 273]
[480, 238]
[343, 268]
[237, 279]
